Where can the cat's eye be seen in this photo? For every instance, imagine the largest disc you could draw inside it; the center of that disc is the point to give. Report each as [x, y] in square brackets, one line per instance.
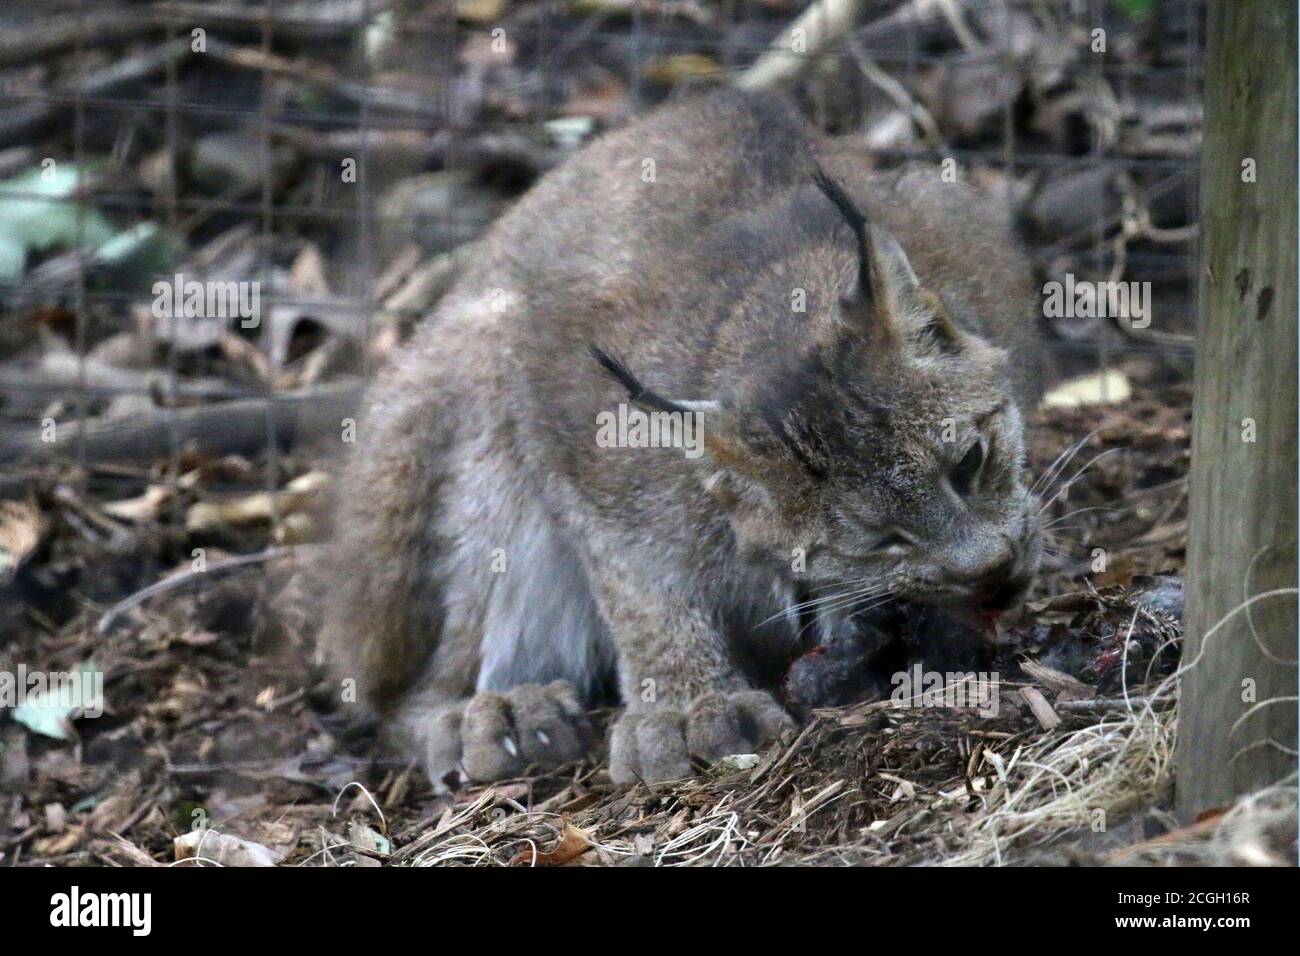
[891, 540]
[968, 469]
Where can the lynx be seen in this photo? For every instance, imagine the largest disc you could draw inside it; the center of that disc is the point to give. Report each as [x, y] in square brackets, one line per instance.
[855, 347]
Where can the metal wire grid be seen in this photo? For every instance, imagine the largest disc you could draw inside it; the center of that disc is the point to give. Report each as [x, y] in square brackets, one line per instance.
[376, 107]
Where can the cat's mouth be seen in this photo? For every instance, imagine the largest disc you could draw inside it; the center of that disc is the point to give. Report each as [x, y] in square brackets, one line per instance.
[980, 618]
[982, 613]
[980, 609]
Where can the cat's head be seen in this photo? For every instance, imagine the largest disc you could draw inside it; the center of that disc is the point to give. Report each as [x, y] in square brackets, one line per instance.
[881, 454]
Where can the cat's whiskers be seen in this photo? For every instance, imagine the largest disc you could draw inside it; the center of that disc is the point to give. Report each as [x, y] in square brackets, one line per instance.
[1075, 477]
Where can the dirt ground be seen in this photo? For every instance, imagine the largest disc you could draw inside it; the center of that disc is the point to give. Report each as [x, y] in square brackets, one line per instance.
[216, 712]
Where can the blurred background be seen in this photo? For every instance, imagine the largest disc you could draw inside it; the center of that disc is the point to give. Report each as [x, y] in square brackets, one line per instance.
[344, 152]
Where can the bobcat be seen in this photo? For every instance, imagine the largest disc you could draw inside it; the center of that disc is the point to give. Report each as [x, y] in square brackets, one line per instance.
[496, 567]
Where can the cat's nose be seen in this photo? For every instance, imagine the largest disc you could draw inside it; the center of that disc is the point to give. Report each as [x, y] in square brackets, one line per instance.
[1000, 569]
[1003, 581]
[996, 569]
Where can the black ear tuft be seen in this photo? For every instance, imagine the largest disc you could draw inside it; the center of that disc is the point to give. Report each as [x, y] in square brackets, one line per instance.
[637, 393]
[615, 368]
[856, 221]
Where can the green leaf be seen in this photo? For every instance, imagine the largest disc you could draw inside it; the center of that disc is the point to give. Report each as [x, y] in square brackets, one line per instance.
[136, 255]
[37, 211]
[50, 711]
[12, 258]
[1136, 9]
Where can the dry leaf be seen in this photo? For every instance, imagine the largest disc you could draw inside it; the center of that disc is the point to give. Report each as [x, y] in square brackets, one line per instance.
[1058, 681]
[257, 507]
[365, 838]
[480, 11]
[307, 274]
[21, 529]
[58, 845]
[1041, 709]
[682, 67]
[223, 849]
[1102, 388]
[142, 508]
[573, 843]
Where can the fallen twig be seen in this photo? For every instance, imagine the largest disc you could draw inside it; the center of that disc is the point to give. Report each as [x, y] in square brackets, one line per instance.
[110, 616]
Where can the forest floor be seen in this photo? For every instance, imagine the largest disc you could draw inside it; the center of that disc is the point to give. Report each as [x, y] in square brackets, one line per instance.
[218, 714]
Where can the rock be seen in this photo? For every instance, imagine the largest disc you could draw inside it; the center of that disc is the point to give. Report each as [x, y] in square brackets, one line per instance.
[221, 848]
[439, 211]
[234, 162]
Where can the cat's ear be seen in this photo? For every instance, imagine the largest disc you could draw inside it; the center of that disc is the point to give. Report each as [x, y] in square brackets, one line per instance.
[888, 301]
[893, 283]
[927, 327]
[883, 269]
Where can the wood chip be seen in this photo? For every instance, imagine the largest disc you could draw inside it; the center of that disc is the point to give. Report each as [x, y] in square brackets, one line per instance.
[1058, 681]
[1041, 709]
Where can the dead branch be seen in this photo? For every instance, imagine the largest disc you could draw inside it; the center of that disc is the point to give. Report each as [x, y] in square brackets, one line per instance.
[19, 124]
[817, 29]
[59, 34]
[110, 616]
[239, 427]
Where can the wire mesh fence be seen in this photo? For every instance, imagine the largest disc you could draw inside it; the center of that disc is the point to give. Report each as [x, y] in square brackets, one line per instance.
[337, 159]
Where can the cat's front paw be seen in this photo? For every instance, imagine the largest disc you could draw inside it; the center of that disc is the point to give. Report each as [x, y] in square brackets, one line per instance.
[493, 736]
[656, 743]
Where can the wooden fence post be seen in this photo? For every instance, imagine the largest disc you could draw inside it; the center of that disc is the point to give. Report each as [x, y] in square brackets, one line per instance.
[1237, 716]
